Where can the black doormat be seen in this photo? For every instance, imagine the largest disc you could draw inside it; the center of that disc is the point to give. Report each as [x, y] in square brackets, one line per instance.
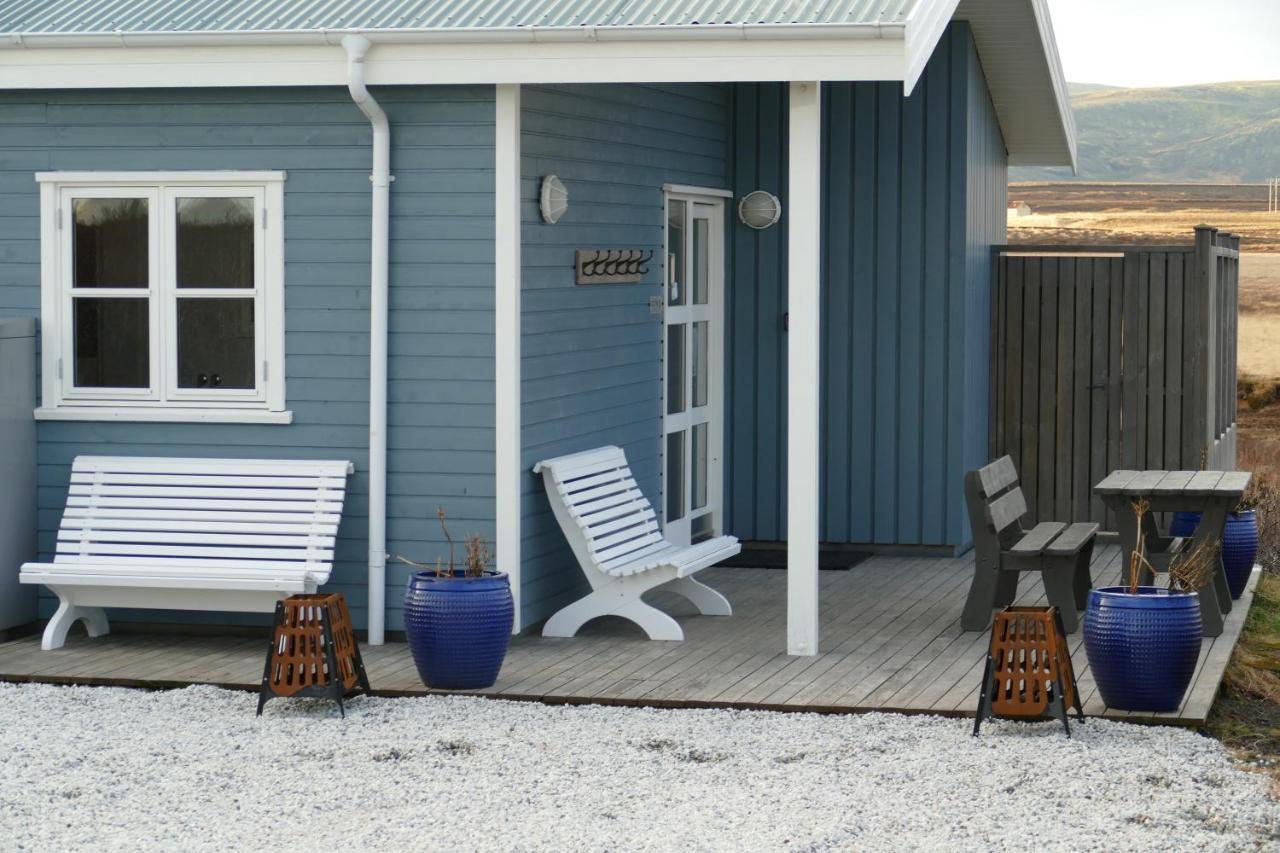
[773, 555]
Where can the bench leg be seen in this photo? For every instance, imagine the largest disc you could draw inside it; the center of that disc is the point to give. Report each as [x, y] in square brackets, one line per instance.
[1060, 588]
[987, 588]
[1084, 576]
[707, 600]
[612, 602]
[55, 633]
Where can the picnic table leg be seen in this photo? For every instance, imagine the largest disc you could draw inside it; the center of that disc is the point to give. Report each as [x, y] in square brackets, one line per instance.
[1127, 528]
[1212, 521]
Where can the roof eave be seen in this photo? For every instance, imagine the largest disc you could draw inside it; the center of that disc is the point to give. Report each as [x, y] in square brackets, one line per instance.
[453, 35]
[1061, 93]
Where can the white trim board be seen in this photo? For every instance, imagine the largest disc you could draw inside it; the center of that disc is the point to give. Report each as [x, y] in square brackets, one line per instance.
[508, 472]
[456, 62]
[163, 414]
[683, 189]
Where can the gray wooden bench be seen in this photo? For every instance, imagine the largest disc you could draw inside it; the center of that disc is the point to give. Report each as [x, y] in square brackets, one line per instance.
[1004, 549]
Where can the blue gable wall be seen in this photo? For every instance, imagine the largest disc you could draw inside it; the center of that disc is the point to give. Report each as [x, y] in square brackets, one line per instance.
[913, 199]
[441, 411]
[592, 369]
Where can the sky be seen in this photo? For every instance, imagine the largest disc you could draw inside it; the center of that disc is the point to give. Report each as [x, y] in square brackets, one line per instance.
[1167, 42]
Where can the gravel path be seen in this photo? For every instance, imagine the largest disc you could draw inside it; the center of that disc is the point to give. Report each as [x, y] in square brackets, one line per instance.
[112, 769]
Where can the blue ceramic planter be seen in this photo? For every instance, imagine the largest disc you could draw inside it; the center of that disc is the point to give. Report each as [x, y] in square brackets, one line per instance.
[1239, 544]
[1142, 648]
[1184, 523]
[1240, 549]
[458, 628]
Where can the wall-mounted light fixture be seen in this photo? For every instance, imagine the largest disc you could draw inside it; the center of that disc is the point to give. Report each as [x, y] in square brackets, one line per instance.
[759, 210]
[554, 201]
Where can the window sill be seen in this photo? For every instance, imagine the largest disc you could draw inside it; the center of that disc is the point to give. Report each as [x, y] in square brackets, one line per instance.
[141, 414]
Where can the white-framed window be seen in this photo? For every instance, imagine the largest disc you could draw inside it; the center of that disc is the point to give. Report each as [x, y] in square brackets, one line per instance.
[162, 296]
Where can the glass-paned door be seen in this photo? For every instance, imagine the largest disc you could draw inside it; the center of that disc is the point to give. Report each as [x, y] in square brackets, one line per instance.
[693, 368]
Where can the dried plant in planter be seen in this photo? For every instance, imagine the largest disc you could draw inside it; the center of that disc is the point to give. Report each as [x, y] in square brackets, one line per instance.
[1263, 498]
[1189, 571]
[478, 554]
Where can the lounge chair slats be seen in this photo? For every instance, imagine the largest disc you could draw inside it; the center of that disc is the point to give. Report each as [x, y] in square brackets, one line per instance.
[614, 533]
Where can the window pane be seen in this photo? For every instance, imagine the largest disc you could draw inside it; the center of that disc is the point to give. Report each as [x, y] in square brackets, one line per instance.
[675, 476]
[699, 466]
[675, 253]
[215, 242]
[701, 267]
[675, 368]
[110, 242]
[700, 351]
[112, 343]
[215, 343]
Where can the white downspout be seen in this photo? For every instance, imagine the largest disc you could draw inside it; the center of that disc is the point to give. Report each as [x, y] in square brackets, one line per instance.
[356, 47]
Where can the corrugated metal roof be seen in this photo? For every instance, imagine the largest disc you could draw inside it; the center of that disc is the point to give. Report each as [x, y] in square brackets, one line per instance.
[173, 16]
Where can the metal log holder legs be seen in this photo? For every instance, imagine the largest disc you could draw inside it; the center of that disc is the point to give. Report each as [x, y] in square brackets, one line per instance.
[313, 651]
[1028, 675]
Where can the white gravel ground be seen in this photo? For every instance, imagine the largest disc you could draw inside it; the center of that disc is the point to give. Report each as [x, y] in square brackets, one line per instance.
[194, 770]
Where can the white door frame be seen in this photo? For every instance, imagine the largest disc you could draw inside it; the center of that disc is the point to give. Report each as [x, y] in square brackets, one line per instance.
[712, 202]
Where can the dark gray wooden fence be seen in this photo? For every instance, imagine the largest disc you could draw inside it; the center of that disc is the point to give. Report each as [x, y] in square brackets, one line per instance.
[1112, 357]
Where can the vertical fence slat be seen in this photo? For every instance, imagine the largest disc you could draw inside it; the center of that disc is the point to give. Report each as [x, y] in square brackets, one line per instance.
[1099, 388]
[1046, 440]
[1082, 380]
[1130, 355]
[1115, 371]
[999, 342]
[1153, 400]
[1016, 284]
[1173, 372]
[1029, 463]
[1064, 444]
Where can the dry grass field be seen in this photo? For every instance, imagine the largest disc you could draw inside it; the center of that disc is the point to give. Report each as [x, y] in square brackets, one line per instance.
[1142, 213]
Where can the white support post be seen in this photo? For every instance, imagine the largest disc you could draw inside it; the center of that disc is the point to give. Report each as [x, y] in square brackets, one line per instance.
[507, 337]
[804, 244]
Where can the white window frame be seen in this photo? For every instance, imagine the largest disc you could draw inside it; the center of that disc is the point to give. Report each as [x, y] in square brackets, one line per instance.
[163, 400]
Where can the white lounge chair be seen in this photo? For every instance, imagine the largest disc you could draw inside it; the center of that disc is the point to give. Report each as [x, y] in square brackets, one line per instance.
[189, 534]
[614, 534]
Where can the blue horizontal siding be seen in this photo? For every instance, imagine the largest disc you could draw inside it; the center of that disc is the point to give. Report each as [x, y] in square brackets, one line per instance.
[592, 355]
[441, 393]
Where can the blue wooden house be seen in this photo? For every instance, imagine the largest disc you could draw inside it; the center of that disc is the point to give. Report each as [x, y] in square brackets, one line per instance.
[748, 242]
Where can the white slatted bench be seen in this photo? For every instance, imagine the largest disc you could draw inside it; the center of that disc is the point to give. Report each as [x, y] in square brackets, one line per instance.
[614, 534]
[189, 534]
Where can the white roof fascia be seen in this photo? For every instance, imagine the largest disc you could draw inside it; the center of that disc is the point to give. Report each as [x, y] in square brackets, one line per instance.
[529, 56]
[924, 30]
[1047, 38]
[446, 35]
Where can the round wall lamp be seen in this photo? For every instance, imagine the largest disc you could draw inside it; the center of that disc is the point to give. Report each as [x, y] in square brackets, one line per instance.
[760, 210]
[554, 200]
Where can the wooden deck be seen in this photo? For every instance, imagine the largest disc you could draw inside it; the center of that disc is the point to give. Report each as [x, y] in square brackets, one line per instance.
[891, 640]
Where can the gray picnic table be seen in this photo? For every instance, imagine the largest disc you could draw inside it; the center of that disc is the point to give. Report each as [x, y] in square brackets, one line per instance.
[1213, 494]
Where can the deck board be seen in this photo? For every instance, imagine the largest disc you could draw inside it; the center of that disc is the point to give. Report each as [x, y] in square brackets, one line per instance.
[891, 640]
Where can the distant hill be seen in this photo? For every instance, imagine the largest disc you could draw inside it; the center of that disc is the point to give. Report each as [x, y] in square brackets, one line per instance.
[1221, 133]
